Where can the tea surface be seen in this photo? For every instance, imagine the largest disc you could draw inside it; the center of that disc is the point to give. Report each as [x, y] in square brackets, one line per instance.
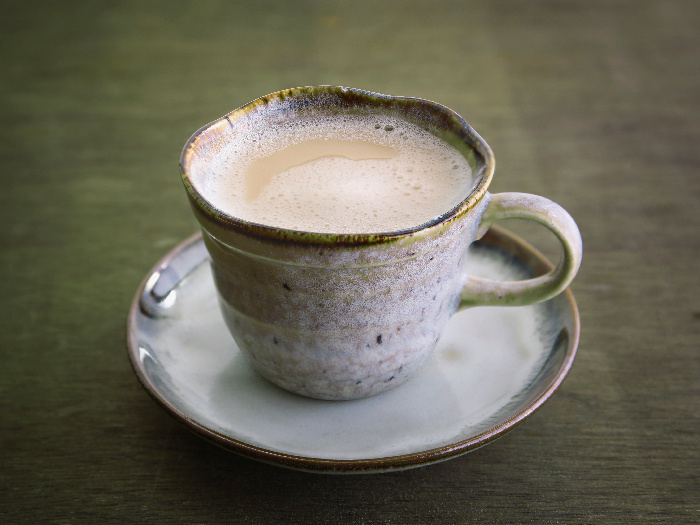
[351, 174]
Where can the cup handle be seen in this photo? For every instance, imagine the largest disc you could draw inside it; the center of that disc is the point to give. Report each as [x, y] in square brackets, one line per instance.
[478, 291]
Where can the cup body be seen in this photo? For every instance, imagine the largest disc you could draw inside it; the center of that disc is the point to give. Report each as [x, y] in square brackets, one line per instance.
[338, 316]
[337, 321]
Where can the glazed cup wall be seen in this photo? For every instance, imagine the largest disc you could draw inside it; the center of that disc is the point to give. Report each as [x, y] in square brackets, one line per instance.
[349, 322]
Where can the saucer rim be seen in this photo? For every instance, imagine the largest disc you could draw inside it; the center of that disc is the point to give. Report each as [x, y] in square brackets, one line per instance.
[495, 236]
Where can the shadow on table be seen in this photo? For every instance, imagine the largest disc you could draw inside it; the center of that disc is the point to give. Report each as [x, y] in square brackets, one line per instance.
[203, 481]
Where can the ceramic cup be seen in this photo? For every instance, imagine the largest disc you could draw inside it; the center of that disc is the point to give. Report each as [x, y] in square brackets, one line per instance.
[341, 316]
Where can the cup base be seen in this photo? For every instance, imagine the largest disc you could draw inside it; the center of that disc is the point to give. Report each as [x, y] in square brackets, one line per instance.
[290, 360]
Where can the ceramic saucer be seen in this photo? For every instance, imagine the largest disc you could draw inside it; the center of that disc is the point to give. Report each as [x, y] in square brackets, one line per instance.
[494, 366]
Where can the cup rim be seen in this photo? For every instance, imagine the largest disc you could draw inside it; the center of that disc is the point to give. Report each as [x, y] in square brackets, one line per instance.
[453, 124]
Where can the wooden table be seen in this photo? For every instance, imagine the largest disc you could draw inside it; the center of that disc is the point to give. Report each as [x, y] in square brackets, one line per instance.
[593, 104]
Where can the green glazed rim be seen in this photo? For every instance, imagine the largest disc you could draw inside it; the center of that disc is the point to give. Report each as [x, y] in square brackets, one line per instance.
[436, 118]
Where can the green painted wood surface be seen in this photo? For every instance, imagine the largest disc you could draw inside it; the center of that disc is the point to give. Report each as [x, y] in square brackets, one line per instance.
[593, 104]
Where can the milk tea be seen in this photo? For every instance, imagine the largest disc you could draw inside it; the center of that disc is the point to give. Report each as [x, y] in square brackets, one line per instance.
[338, 174]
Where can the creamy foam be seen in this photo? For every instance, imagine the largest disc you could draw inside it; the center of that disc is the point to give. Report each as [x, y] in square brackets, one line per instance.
[338, 174]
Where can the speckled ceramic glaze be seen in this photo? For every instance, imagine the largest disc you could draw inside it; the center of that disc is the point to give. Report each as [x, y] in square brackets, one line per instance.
[340, 316]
